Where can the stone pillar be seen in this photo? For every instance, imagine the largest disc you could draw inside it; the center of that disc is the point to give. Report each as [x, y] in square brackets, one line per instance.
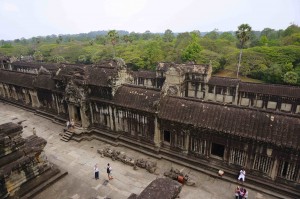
[91, 111]
[236, 97]
[274, 169]
[84, 118]
[111, 119]
[187, 142]
[34, 99]
[157, 133]
[56, 103]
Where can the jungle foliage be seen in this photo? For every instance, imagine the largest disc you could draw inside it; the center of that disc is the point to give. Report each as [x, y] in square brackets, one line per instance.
[269, 55]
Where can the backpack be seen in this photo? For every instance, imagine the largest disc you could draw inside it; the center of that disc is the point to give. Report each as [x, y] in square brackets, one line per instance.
[108, 170]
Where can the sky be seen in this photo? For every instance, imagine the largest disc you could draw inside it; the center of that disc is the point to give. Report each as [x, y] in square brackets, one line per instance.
[28, 18]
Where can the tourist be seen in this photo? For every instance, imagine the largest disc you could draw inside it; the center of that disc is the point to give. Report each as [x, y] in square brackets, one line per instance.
[242, 175]
[96, 170]
[72, 123]
[33, 131]
[241, 193]
[245, 194]
[108, 170]
[237, 192]
[68, 124]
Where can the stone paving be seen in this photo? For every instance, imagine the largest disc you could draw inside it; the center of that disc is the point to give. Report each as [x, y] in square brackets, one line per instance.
[79, 158]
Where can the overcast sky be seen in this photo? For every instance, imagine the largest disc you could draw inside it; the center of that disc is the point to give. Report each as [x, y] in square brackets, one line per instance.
[28, 18]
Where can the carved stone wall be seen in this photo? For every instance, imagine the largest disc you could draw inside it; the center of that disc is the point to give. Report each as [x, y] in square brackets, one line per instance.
[21, 161]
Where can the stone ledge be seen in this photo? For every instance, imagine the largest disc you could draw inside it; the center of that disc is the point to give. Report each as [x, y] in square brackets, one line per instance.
[34, 186]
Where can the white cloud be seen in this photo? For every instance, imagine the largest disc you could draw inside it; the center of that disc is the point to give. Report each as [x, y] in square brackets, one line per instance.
[10, 7]
[123, 9]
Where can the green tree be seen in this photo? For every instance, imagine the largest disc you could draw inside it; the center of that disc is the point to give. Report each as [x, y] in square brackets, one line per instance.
[82, 59]
[152, 54]
[58, 59]
[191, 52]
[227, 36]
[290, 77]
[113, 37]
[38, 56]
[212, 34]
[168, 36]
[243, 35]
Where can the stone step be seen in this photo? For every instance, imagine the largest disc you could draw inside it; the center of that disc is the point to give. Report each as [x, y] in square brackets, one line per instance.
[68, 134]
[65, 140]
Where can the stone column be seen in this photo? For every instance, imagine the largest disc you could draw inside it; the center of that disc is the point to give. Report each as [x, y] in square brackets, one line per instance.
[91, 111]
[34, 99]
[84, 118]
[274, 169]
[157, 133]
[56, 103]
[111, 119]
[236, 97]
[187, 142]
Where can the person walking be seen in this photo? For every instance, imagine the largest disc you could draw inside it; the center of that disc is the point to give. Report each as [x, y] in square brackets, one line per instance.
[108, 170]
[96, 170]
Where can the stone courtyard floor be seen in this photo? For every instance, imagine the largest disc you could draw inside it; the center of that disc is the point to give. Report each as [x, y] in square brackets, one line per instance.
[79, 158]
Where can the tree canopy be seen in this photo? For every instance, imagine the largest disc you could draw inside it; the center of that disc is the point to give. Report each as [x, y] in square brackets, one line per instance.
[269, 55]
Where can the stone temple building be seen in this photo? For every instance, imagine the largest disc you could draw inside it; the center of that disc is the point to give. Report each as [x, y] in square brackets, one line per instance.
[179, 112]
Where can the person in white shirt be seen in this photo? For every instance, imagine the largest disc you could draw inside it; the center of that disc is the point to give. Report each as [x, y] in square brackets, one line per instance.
[108, 170]
[242, 175]
[96, 170]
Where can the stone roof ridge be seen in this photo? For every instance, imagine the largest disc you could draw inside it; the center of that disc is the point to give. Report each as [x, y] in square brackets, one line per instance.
[275, 85]
[273, 112]
[231, 78]
[142, 87]
[20, 72]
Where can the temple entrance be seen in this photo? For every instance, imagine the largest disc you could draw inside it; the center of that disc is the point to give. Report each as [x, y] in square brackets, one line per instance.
[77, 114]
[217, 150]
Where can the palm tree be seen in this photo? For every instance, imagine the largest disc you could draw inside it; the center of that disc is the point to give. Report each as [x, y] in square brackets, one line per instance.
[113, 36]
[243, 35]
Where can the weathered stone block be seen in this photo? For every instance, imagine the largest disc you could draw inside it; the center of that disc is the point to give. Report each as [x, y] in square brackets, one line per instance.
[245, 102]
[271, 105]
[286, 107]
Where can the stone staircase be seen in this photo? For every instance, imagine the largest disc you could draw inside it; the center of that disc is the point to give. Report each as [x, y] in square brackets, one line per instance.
[66, 136]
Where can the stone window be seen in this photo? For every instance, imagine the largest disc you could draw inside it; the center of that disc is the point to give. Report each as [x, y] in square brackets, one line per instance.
[180, 140]
[288, 170]
[263, 164]
[231, 91]
[141, 81]
[238, 157]
[198, 146]
[286, 107]
[217, 150]
[219, 90]
[167, 136]
[211, 89]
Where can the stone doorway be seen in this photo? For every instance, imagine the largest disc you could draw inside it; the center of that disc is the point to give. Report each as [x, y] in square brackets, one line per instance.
[217, 150]
[75, 113]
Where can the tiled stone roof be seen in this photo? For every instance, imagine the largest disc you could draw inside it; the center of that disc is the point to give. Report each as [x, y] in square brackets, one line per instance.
[44, 82]
[137, 98]
[270, 89]
[17, 78]
[258, 125]
[223, 81]
[144, 74]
